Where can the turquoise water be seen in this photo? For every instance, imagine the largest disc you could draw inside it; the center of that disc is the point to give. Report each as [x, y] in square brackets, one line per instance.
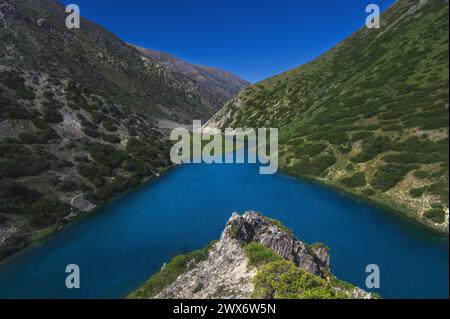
[120, 247]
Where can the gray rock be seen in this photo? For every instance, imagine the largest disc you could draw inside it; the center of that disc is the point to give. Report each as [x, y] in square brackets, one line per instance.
[253, 227]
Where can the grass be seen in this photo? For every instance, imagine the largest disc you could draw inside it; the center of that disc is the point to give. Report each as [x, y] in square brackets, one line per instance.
[170, 272]
[260, 255]
[281, 279]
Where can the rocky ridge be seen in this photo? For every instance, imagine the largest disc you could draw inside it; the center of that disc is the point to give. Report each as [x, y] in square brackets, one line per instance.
[228, 272]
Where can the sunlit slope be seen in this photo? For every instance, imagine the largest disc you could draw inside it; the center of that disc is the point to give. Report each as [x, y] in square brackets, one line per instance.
[370, 116]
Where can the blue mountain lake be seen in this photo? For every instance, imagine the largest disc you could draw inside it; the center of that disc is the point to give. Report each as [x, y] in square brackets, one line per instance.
[128, 240]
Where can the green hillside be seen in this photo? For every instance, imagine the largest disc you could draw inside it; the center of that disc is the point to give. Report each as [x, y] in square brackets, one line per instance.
[79, 118]
[370, 116]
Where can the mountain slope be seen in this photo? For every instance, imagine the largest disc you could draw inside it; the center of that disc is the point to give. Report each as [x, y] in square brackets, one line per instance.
[370, 116]
[216, 86]
[79, 118]
[255, 258]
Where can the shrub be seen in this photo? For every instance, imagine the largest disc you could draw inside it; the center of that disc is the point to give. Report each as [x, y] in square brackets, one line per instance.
[368, 192]
[45, 212]
[53, 104]
[372, 147]
[259, 255]
[16, 198]
[97, 117]
[421, 174]
[314, 167]
[357, 180]
[410, 158]
[17, 160]
[107, 155]
[109, 126]
[94, 172]
[387, 176]
[39, 137]
[16, 83]
[310, 150]
[416, 192]
[52, 116]
[436, 215]
[281, 279]
[110, 138]
[12, 110]
[139, 149]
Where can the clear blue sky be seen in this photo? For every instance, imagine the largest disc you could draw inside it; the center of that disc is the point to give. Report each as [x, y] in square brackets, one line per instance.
[254, 39]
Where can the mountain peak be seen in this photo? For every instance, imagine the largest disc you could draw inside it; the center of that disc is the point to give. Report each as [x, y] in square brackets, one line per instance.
[251, 249]
[216, 86]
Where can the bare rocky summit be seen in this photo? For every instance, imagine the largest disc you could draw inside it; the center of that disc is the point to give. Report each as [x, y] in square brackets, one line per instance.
[229, 271]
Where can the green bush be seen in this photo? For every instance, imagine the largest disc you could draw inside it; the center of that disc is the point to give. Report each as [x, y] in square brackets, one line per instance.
[95, 173]
[387, 176]
[416, 192]
[259, 255]
[12, 110]
[16, 198]
[315, 166]
[16, 83]
[411, 158]
[310, 150]
[357, 180]
[17, 160]
[110, 138]
[107, 155]
[52, 104]
[436, 215]
[421, 174]
[369, 192]
[373, 147]
[97, 117]
[109, 126]
[52, 116]
[45, 213]
[281, 279]
[40, 137]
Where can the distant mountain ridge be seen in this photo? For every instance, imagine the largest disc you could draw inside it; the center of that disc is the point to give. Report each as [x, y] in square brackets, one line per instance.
[218, 86]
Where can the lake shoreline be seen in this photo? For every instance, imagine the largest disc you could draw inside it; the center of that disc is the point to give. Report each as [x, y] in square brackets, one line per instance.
[391, 208]
[384, 205]
[54, 230]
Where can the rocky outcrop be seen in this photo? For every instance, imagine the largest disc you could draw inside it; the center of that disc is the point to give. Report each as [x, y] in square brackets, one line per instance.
[253, 227]
[227, 273]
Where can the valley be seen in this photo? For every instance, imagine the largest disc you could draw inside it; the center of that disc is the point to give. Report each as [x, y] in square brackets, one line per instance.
[89, 175]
